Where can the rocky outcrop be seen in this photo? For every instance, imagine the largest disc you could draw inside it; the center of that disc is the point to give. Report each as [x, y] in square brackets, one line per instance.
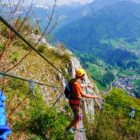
[89, 88]
[70, 70]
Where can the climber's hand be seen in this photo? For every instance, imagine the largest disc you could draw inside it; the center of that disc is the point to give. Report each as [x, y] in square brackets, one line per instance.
[100, 98]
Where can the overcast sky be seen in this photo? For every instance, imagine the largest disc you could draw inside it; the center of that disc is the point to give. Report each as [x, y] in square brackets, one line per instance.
[46, 2]
[67, 1]
[42, 2]
[82, 1]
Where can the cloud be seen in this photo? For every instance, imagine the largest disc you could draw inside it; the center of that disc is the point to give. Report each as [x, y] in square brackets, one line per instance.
[47, 2]
[137, 1]
[78, 1]
[63, 1]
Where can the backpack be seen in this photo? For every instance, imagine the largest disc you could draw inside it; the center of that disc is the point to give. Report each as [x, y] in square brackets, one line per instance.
[68, 90]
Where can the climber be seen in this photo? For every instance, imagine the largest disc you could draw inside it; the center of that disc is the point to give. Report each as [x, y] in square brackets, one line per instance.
[75, 98]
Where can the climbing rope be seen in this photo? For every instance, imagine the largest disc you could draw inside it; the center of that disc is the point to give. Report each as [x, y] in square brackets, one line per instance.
[23, 39]
[131, 115]
[57, 100]
[120, 105]
[27, 80]
[2, 20]
[47, 26]
[30, 82]
[16, 106]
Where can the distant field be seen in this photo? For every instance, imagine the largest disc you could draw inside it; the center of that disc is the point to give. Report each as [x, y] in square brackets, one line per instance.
[136, 82]
[99, 74]
[133, 46]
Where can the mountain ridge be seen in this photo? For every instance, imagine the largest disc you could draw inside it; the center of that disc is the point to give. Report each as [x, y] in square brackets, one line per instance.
[110, 35]
[98, 19]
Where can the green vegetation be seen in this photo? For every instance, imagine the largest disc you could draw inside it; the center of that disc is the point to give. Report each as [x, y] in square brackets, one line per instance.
[1, 47]
[106, 62]
[118, 21]
[111, 122]
[111, 36]
[101, 74]
[14, 56]
[132, 45]
[136, 84]
[41, 48]
[29, 117]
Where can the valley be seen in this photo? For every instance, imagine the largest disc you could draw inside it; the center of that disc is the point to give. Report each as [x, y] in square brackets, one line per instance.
[106, 40]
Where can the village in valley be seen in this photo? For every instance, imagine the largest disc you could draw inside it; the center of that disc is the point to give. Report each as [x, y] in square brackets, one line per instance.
[125, 83]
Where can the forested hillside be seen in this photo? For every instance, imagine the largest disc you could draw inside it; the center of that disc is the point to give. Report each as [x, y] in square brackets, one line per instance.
[33, 74]
[115, 121]
[120, 20]
[107, 37]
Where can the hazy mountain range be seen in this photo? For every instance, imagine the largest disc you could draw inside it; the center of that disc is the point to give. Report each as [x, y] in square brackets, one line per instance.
[121, 19]
[102, 33]
[107, 35]
[65, 14]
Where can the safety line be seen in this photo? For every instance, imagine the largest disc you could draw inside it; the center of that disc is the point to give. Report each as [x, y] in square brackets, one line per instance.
[27, 80]
[23, 39]
[123, 106]
[56, 101]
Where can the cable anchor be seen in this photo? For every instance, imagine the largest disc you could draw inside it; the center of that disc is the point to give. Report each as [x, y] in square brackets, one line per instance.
[32, 86]
[132, 112]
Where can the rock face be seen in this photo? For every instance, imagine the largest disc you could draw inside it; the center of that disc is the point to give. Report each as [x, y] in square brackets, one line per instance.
[37, 37]
[88, 103]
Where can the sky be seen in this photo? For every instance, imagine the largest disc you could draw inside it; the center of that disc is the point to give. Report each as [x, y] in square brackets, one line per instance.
[45, 2]
[68, 1]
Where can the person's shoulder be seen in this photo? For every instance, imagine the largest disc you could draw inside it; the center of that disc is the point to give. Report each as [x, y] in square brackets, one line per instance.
[76, 83]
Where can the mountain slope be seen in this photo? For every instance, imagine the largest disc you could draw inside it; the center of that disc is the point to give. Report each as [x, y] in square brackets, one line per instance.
[121, 20]
[39, 112]
[64, 13]
[107, 37]
[30, 104]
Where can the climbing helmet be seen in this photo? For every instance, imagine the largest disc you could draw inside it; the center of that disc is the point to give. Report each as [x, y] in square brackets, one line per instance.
[80, 72]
